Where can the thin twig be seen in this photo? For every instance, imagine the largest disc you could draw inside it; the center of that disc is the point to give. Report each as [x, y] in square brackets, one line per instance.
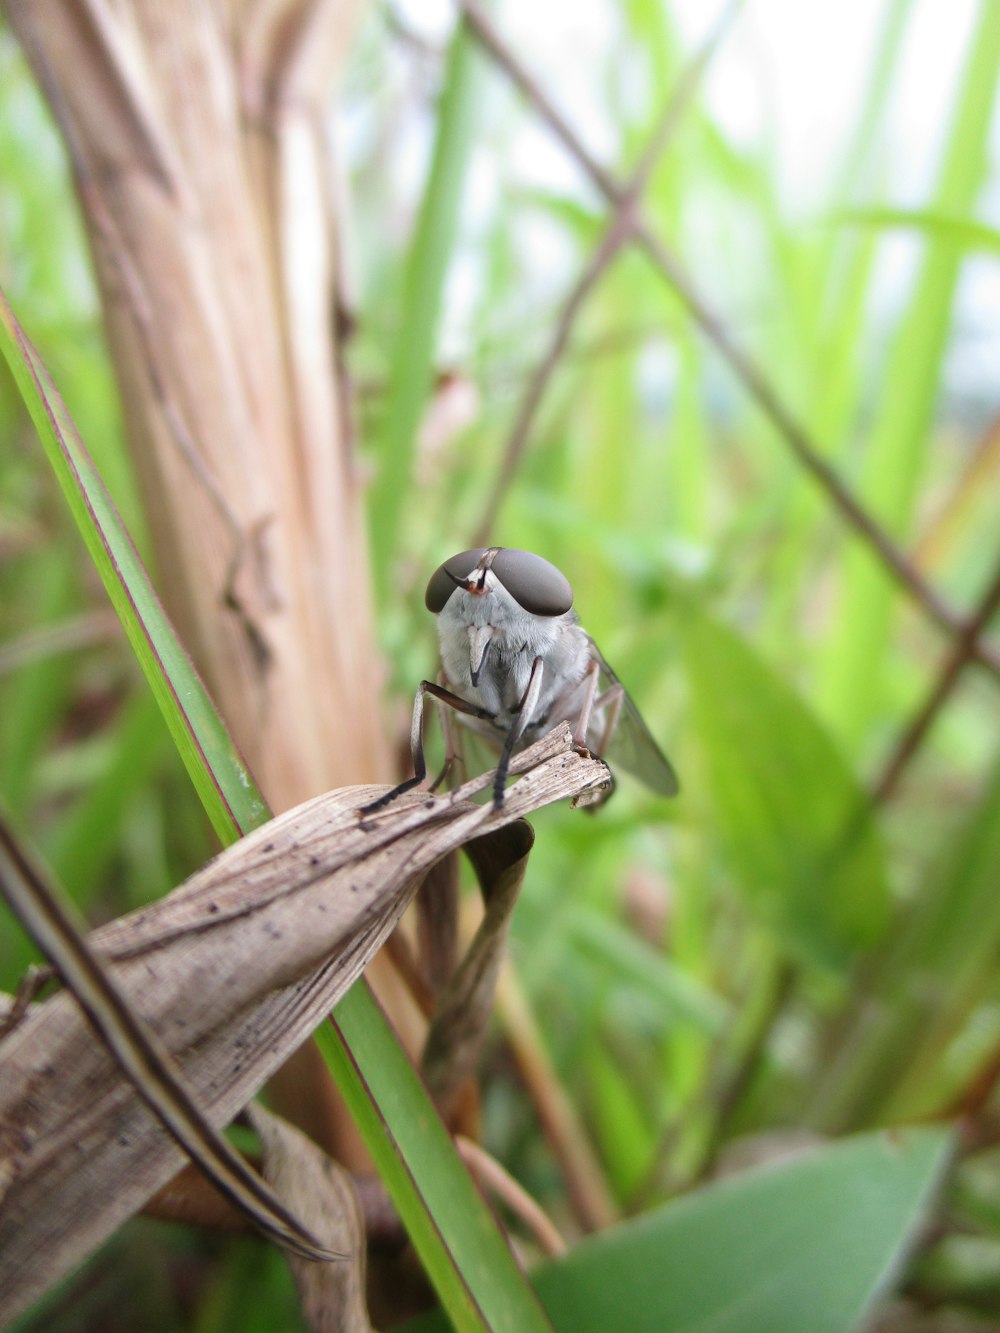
[617, 232]
[492, 1176]
[756, 382]
[961, 654]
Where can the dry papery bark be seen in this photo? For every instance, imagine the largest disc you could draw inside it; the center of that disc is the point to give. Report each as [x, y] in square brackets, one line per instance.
[233, 969]
[197, 135]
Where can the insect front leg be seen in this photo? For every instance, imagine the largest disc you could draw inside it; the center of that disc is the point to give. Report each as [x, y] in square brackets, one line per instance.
[586, 708]
[417, 740]
[524, 715]
[452, 743]
[612, 699]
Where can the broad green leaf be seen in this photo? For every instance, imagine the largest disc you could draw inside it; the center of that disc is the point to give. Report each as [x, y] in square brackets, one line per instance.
[800, 836]
[810, 1244]
[469, 1273]
[807, 1245]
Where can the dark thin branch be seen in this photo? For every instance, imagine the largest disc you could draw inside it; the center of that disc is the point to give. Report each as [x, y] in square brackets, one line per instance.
[617, 233]
[962, 652]
[756, 382]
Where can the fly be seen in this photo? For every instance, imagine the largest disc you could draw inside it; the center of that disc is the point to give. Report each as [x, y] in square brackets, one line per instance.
[515, 663]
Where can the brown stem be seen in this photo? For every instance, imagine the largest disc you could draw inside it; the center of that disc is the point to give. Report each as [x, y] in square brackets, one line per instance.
[961, 654]
[492, 1176]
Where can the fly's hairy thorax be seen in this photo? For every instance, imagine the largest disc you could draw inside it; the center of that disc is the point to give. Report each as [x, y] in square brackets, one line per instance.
[490, 630]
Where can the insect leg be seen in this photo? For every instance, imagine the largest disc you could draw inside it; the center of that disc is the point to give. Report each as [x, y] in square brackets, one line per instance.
[452, 744]
[612, 699]
[525, 710]
[417, 739]
[586, 707]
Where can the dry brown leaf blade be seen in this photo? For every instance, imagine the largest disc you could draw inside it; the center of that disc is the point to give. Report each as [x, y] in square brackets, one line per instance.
[320, 1193]
[234, 969]
[458, 1032]
[138, 1051]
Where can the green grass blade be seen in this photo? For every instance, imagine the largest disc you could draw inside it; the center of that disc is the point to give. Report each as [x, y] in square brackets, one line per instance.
[965, 233]
[898, 445]
[471, 1266]
[223, 782]
[412, 366]
[487, 1283]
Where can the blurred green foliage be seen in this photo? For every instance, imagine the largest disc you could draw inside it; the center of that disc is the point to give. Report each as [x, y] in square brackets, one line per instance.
[772, 950]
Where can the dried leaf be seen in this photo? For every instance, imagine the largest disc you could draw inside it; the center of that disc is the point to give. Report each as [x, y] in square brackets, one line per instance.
[460, 1024]
[137, 1048]
[233, 969]
[320, 1193]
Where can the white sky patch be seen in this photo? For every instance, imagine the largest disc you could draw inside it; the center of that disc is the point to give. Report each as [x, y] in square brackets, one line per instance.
[789, 84]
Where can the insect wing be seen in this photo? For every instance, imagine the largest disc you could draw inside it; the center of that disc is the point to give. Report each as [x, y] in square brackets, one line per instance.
[631, 744]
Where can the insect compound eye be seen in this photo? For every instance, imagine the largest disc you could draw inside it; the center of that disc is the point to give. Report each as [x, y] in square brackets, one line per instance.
[442, 581]
[533, 582]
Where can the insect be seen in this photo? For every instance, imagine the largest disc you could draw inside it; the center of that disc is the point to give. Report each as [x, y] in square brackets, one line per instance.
[515, 662]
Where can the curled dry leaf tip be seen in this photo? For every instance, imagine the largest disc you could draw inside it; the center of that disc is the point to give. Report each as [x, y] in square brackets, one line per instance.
[233, 970]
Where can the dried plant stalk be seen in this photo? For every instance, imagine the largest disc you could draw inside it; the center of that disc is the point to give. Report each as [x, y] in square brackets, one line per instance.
[461, 1020]
[195, 134]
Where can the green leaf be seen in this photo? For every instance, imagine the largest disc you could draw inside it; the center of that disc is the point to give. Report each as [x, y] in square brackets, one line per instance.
[797, 827]
[468, 1261]
[809, 1244]
[222, 780]
[963, 232]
